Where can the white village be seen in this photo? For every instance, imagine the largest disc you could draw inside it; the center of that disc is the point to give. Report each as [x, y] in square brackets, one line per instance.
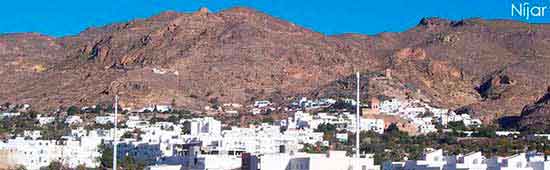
[293, 143]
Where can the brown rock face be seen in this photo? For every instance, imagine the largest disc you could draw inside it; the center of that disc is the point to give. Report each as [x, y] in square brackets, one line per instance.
[536, 117]
[241, 54]
[411, 53]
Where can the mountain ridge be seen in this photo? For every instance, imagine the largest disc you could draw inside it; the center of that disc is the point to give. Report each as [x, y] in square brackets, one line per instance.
[240, 54]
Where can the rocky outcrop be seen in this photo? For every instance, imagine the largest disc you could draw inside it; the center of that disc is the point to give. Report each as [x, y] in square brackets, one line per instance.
[410, 54]
[434, 22]
[536, 117]
[495, 85]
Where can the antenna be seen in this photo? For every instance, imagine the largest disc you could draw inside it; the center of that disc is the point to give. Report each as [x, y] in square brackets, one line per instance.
[115, 142]
[357, 119]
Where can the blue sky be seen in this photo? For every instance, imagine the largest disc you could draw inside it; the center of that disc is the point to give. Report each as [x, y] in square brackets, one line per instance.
[68, 17]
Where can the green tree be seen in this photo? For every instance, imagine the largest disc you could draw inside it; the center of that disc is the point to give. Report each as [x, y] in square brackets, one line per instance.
[32, 114]
[73, 110]
[483, 131]
[173, 118]
[110, 108]
[80, 167]
[18, 167]
[325, 127]
[456, 126]
[106, 157]
[427, 114]
[341, 104]
[392, 129]
[268, 120]
[186, 129]
[127, 135]
[98, 108]
[129, 163]
[56, 165]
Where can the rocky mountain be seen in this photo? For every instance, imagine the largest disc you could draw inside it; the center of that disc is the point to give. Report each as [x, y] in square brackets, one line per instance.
[535, 117]
[492, 67]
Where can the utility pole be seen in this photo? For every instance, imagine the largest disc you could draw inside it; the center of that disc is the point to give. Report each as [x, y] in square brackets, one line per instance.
[357, 118]
[115, 142]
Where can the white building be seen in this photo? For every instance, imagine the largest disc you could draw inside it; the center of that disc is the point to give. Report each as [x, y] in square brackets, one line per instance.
[507, 133]
[34, 154]
[425, 127]
[333, 160]
[342, 137]
[262, 139]
[45, 120]
[10, 114]
[103, 120]
[163, 108]
[313, 104]
[375, 125]
[473, 161]
[139, 124]
[515, 162]
[146, 109]
[35, 134]
[190, 157]
[73, 120]
[202, 126]
[390, 106]
[261, 103]
[421, 114]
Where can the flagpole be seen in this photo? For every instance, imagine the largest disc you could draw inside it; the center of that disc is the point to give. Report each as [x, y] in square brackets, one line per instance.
[357, 119]
[115, 142]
